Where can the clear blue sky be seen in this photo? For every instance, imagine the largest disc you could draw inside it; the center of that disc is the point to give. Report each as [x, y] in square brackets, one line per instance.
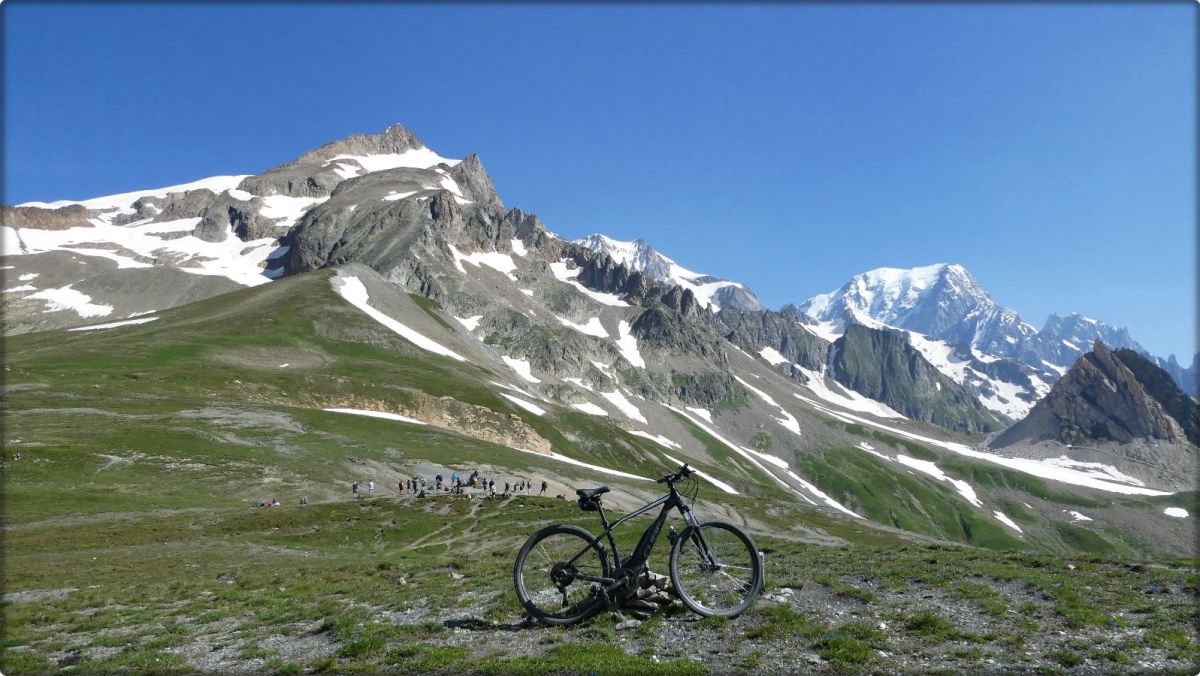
[1048, 148]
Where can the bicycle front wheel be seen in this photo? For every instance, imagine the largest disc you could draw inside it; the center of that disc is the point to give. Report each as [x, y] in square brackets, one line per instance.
[556, 574]
[715, 569]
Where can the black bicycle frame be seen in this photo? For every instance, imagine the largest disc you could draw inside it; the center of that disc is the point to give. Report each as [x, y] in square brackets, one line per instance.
[641, 553]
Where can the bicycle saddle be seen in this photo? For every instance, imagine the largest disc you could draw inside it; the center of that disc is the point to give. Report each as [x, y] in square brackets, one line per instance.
[592, 492]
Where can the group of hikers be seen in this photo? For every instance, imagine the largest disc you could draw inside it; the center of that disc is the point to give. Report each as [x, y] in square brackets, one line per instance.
[422, 486]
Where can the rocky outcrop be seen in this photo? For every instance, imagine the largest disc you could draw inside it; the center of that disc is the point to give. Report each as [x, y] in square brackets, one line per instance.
[38, 218]
[666, 332]
[881, 365]
[1102, 399]
[735, 297]
[220, 214]
[752, 331]
[475, 183]
[314, 175]
[505, 429]
[1161, 387]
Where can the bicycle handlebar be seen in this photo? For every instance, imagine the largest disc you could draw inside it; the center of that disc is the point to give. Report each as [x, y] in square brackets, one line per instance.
[683, 473]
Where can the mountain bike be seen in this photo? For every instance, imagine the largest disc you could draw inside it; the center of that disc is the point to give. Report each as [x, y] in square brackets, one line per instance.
[564, 574]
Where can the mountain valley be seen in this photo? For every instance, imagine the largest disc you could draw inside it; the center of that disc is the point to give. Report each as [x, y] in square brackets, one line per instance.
[373, 311]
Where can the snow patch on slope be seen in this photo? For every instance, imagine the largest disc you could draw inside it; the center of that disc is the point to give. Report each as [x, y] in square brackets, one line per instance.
[66, 298]
[656, 438]
[787, 419]
[123, 200]
[567, 275]
[502, 263]
[1094, 477]
[352, 289]
[377, 414]
[532, 408]
[522, 368]
[627, 344]
[848, 399]
[624, 405]
[113, 325]
[592, 328]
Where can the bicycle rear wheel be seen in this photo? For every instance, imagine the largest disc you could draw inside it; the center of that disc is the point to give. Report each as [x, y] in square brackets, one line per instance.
[715, 569]
[547, 574]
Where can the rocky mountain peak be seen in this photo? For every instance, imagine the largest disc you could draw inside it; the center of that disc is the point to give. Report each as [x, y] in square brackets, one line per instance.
[395, 139]
[639, 256]
[474, 181]
[1102, 399]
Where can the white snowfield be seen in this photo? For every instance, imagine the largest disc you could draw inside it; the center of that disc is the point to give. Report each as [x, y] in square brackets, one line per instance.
[891, 290]
[754, 457]
[113, 325]
[628, 347]
[772, 356]
[351, 288]
[125, 199]
[569, 276]
[66, 298]
[416, 158]
[1000, 516]
[848, 399]
[936, 472]
[518, 248]
[1177, 512]
[656, 438]
[1098, 476]
[590, 409]
[522, 368]
[572, 461]
[287, 208]
[827, 331]
[532, 408]
[129, 246]
[500, 262]
[788, 420]
[1076, 516]
[578, 382]
[702, 412]
[707, 477]
[1004, 400]
[376, 414]
[470, 323]
[518, 390]
[616, 398]
[593, 327]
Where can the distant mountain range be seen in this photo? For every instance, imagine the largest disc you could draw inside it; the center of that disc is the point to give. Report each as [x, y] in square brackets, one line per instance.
[946, 303]
[583, 348]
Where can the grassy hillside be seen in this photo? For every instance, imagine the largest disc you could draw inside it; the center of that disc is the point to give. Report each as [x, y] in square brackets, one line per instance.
[132, 539]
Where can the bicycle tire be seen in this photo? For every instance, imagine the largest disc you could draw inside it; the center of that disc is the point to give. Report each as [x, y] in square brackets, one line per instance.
[699, 586]
[537, 602]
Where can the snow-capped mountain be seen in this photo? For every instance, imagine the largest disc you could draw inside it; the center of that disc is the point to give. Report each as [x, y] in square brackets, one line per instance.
[392, 259]
[945, 303]
[638, 255]
[123, 255]
[941, 301]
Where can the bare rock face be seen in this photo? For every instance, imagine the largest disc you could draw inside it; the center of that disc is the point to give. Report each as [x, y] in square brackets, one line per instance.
[754, 330]
[38, 218]
[1100, 399]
